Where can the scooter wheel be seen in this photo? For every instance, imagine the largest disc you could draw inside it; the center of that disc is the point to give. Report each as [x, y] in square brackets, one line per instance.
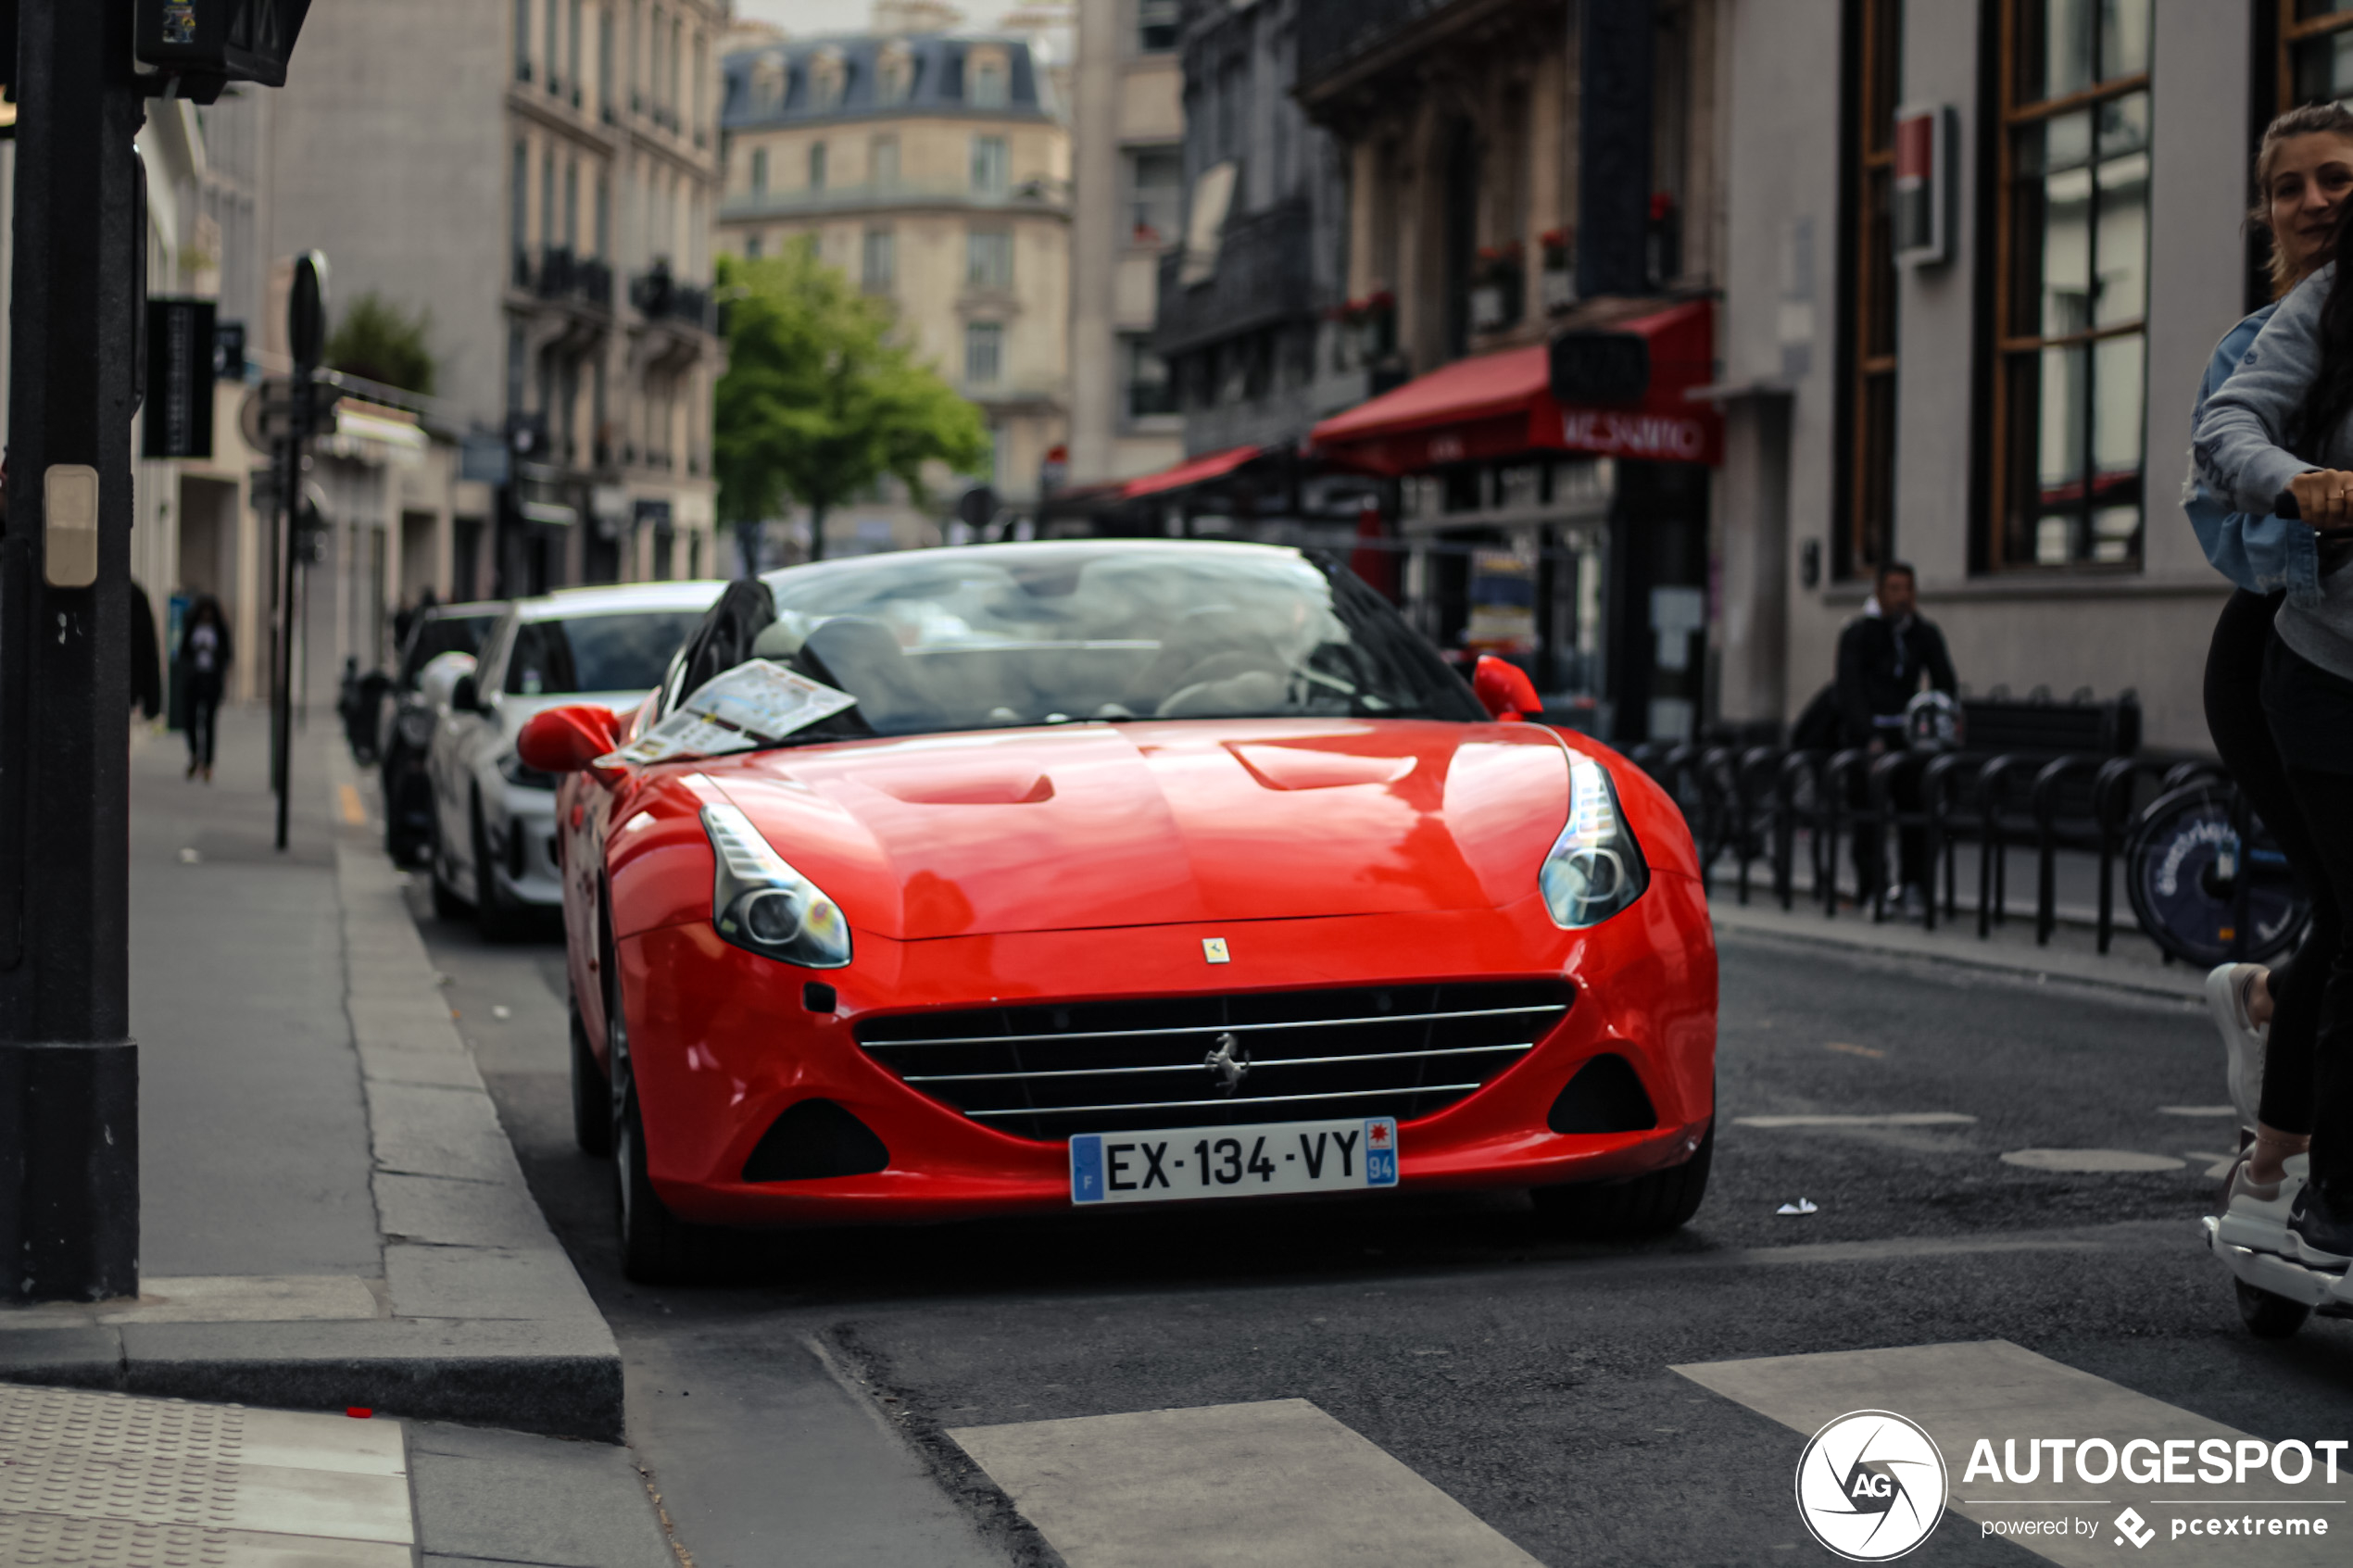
[2267, 1316]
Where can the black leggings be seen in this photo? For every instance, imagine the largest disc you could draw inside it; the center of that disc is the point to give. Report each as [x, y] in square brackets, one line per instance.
[203, 695]
[2242, 738]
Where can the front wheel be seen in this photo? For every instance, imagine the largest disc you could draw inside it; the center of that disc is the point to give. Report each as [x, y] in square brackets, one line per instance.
[1644, 1206]
[656, 1247]
[591, 1095]
[2267, 1316]
[497, 919]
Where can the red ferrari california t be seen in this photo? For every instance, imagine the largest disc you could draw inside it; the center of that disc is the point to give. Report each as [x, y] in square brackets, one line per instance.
[1065, 875]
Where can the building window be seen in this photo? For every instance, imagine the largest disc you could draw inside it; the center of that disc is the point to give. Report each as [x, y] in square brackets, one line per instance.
[604, 216]
[759, 172]
[522, 40]
[554, 43]
[1156, 25]
[882, 163]
[1866, 536]
[2073, 291]
[521, 214]
[571, 51]
[983, 353]
[989, 258]
[768, 81]
[547, 198]
[2316, 51]
[1149, 391]
[987, 79]
[990, 165]
[571, 205]
[879, 262]
[828, 77]
[604, 62]
[751, 247]
[515, 371]
[817, 165]
[1156, 197]
[894, 73]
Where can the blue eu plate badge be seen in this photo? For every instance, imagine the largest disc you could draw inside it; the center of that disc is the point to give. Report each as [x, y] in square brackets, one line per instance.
[1260, 1159]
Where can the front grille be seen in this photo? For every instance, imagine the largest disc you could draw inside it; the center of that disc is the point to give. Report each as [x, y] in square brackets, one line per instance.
[1048, 1071]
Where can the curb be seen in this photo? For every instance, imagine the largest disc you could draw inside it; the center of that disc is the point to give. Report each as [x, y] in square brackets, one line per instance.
[1904, 942]
[479, 1318]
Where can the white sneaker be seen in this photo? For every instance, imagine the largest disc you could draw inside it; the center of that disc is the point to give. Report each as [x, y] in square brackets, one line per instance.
[2243, 1043]
[2257, 1221]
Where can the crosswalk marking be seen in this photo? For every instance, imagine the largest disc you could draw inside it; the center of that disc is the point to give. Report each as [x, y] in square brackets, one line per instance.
[1997, 1390]
[1277, 1483]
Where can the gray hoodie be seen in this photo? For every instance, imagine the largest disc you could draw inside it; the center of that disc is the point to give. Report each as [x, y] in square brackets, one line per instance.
[2240, 456]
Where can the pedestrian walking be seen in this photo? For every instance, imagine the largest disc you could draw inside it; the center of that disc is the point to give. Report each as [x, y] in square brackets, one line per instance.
[2282, 423]
[205, 656]
[1887, 655]
[2269, 1018]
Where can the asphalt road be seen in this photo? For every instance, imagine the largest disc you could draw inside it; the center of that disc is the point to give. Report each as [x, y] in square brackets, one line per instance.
[1529, 1378]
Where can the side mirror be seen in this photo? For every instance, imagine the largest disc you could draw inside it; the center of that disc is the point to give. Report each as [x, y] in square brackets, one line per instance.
[465, 697]
[564, 740]
[1503, 689]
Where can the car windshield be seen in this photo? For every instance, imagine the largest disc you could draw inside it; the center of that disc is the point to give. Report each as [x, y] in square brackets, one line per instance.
[437, 634]
[596, 653]
[1054, 633]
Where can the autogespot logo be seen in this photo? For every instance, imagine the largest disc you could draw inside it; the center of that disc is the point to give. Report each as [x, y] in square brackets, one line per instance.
[1870, 1486]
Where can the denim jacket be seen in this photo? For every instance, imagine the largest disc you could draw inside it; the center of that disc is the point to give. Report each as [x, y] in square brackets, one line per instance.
[2261, 553]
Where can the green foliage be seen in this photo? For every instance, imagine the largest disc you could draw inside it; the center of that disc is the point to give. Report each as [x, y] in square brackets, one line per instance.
[822, 397]
[376, 339]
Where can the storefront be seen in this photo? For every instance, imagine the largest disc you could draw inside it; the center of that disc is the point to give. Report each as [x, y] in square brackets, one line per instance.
[1568, 535]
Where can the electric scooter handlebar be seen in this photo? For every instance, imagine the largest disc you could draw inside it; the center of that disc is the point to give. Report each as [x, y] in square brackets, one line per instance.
[2284, 504]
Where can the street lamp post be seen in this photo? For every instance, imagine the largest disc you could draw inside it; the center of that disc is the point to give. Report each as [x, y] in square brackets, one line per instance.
[68, 1069]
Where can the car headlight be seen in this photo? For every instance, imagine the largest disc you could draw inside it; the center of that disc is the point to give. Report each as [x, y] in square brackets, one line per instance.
[764, 905]
[416, 728]
[511, 769]
[1595, 868]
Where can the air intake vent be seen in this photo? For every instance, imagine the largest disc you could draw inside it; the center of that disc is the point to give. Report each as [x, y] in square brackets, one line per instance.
[816, 1138]
[1604, 1097]
[1046, 1071]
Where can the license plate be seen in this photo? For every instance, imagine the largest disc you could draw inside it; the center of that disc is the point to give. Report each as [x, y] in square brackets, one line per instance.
[1262, 1160]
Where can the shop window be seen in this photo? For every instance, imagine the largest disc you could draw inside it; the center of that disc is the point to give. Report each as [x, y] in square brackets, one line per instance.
[2071, 292]
[2316, 51]
[1868, 494]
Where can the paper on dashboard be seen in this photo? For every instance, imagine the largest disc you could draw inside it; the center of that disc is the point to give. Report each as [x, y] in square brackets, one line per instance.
[755, 704]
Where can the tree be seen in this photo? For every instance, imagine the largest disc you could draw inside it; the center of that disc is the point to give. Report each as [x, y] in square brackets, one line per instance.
[377, 340]
[822, 397]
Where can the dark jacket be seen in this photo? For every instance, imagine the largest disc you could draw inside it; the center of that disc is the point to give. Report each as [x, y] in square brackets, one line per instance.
[1880, 664]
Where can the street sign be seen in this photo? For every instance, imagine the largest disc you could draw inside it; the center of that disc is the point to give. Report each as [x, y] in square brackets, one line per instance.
[177, 419]
[268, 412]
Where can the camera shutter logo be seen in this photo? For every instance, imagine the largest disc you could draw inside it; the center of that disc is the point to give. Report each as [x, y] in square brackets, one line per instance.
[1870, 1486]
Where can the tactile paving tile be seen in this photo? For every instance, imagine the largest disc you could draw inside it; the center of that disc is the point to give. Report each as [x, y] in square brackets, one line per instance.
[109, 1457]
[47, 1540]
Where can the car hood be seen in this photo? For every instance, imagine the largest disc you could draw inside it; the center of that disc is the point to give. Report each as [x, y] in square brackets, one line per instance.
[1161, 823]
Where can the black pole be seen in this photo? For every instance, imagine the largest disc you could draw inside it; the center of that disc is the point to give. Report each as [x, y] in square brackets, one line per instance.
[289, 456]
[68, 1069]
[305, 335]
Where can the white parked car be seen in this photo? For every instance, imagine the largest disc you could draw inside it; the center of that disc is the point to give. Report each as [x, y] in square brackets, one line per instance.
[494, 819]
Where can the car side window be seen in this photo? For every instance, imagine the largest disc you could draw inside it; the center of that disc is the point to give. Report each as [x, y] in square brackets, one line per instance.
[491, 674]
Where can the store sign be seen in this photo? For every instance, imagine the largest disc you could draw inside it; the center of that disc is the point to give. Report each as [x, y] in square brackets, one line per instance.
[1923, 185]
[1660, 437]
[1503, 604]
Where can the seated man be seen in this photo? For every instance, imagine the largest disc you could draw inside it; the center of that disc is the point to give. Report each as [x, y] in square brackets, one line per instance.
[1887, 655]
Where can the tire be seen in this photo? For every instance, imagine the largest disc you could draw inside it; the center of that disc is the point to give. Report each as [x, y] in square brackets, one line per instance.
[591, 1095]
[497, 920]
[1624, 1211]
[2267, 1316]
[656, 1247]
[446, 905]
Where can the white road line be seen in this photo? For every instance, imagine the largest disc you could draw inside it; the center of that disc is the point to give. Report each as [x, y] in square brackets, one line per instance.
[1272, 1484]
[1996, 1390]
[2198, 1110]
[1899, 1119]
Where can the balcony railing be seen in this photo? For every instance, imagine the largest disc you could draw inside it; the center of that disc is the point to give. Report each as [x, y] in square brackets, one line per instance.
[1028, 195]
[1260, 278]
[661, 297]
[1333, 33]
[556, 274]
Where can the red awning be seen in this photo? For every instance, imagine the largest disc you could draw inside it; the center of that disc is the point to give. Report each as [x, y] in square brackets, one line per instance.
[1195, 471]
[1500, 404]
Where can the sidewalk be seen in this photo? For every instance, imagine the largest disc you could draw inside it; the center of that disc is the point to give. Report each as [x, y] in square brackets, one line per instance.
[332, 1213]
[2133, 963]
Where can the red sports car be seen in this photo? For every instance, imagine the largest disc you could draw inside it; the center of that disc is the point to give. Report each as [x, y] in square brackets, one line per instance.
[1033, 877]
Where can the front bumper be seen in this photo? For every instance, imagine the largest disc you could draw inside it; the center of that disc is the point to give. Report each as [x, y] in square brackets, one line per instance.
[523, 847]
[723, 1041]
